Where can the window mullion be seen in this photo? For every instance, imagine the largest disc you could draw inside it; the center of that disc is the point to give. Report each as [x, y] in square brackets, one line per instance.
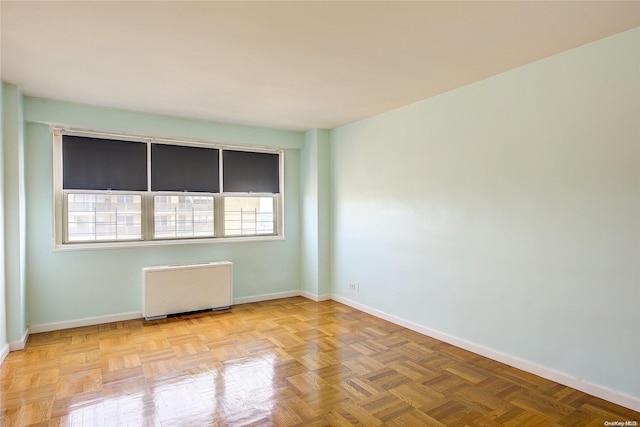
[277, 215]
[148, 216]
[218, 215]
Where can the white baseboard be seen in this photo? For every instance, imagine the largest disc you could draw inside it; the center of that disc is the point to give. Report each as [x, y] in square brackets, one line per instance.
[315, 297]
[602, 392]
[266, 297]
[87, 321]
[4, 352]
[21, 343]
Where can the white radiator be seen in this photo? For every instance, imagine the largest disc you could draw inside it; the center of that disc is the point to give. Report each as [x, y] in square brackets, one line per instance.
[171, 289]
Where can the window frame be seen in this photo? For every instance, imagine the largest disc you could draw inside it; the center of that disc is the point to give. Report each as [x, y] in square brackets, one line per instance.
[60, 198]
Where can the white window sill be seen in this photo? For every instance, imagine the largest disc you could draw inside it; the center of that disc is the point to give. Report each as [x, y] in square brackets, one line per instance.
[167, 242]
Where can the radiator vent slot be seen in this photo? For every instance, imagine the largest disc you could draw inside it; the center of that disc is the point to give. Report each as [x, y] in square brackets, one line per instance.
[173, 289]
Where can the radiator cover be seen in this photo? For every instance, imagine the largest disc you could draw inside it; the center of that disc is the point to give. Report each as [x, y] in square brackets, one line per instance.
[172, 289]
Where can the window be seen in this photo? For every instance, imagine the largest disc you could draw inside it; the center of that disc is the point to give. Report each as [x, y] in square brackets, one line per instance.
[183, 216]
[99, 217]
[113, 189]
[247, 216]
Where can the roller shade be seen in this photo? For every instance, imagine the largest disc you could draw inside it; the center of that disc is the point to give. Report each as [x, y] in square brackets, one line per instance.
[103, 164]
[183, 168]
[245, 172]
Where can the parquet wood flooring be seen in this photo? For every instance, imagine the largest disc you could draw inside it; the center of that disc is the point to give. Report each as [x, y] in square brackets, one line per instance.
[289, 362]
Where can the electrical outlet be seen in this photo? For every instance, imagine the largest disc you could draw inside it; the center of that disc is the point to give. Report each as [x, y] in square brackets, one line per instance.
[354, 287]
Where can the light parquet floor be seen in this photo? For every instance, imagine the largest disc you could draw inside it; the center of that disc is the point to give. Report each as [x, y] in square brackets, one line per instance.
[289, 362]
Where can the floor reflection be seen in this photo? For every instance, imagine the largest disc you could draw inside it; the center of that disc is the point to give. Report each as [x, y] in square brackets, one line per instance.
[114, 411]
[238, 390]
[247, 386]
[185, 397]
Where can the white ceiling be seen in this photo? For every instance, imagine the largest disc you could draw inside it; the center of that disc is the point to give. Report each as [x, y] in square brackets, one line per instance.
[290, 65]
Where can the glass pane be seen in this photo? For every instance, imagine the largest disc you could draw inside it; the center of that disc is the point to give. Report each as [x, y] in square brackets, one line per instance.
[246, 216]
[100, 217]
[183, 216]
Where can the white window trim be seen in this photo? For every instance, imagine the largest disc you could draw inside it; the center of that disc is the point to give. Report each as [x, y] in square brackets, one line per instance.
[59, 209]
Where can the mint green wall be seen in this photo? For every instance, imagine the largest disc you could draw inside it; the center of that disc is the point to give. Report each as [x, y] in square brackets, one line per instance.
[506, 213]
[70, 285]
[315, 208]
[110, 119]
[324, 212]
[14, 211]
[4, 340]
[309, 214]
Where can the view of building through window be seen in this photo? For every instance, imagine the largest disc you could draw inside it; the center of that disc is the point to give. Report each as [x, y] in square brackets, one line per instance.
[104, 217]
[248, 216]
[183, 216]
[109, 217]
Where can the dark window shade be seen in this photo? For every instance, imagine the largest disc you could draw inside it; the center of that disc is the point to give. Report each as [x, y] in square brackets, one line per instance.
[245, 172]
[103, 164]
[182, 168]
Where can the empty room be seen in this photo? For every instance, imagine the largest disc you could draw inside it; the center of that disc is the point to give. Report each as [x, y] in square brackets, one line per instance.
[320, 213]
